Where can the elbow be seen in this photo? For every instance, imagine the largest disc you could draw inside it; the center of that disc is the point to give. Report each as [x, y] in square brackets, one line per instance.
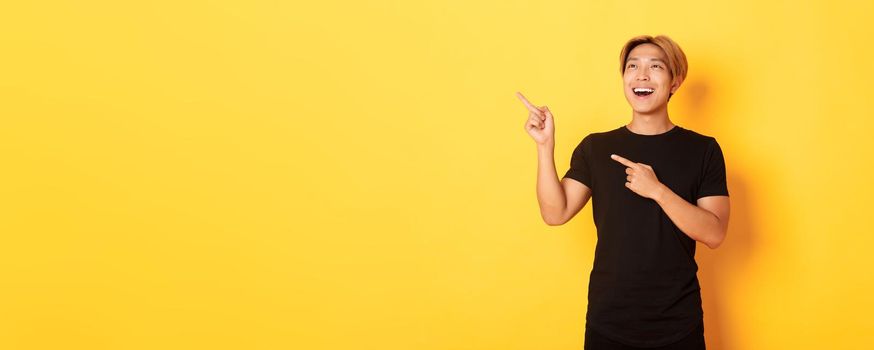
[716, 240]
[554, 220]
[713, 244]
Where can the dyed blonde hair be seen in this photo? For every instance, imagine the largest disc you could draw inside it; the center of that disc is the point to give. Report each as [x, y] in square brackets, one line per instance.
[677, 63]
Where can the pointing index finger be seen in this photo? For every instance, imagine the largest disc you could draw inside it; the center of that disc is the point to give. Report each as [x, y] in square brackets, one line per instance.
[624, 161]
[528, 104]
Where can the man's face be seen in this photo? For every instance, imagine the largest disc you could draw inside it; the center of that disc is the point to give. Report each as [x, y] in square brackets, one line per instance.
[646, 67]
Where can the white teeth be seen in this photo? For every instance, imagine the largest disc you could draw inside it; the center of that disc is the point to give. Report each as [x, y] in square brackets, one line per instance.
[643, 89]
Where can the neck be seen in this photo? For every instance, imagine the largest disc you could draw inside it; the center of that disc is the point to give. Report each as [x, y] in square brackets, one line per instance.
[655, 122]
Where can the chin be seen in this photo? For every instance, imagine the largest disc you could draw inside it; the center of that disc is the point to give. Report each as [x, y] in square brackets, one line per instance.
[642, 111]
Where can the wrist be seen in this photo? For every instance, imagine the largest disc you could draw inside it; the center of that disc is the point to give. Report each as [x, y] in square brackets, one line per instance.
[661, 193]
[545, 152]
[546, 146]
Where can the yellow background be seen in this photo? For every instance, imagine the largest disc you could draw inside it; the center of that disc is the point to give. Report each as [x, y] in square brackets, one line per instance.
[355, 175]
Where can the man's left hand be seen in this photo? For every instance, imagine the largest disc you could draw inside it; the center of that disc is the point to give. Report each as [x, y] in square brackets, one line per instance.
[641, 178]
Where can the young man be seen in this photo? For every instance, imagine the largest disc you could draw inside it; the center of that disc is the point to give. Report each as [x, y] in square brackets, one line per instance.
[656, 190]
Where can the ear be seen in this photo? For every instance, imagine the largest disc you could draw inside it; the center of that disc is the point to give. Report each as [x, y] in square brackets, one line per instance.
[676, 84]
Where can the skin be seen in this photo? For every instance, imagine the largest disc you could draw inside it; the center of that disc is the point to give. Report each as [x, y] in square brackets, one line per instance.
[559, 201]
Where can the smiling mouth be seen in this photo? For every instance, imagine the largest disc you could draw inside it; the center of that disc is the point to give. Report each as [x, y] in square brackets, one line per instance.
[643, 91]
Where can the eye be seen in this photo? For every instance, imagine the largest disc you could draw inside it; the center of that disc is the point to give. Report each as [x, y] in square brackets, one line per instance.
[630, 65]
[657, 66]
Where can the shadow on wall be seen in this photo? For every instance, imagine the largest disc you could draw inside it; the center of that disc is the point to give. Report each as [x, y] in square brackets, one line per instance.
[722, 268]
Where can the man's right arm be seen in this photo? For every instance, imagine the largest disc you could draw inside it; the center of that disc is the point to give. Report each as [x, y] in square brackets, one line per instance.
[559, 201]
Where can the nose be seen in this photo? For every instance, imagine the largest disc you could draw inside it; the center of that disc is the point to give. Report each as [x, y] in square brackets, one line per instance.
[642, 76]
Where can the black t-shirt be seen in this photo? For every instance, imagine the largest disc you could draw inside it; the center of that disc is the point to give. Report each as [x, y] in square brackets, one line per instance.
[643, 288]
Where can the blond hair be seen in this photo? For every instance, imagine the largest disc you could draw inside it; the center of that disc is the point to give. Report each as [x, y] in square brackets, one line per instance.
[677, 63]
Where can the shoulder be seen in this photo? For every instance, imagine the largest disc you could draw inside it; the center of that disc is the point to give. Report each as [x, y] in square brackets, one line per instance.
[704, 146]
[697, 135]
[699, 139]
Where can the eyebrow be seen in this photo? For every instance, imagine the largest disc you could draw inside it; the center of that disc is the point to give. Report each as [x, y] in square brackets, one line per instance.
[654, 59]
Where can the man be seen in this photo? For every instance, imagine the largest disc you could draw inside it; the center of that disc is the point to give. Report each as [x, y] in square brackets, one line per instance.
[657, 189]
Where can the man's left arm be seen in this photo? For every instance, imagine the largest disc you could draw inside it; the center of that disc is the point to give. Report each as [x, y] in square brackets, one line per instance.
[706, 222]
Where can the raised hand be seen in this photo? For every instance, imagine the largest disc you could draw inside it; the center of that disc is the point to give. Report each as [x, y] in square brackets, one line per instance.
[641, 178]
[540, 124]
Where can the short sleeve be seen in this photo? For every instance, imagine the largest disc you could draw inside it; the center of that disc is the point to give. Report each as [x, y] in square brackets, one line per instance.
[713, 182]
[579, 169]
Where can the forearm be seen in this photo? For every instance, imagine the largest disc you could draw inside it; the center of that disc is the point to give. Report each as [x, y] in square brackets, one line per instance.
[550, 194]
[696, 222]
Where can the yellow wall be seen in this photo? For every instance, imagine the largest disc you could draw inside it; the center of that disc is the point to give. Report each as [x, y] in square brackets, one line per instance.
[355, 175]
